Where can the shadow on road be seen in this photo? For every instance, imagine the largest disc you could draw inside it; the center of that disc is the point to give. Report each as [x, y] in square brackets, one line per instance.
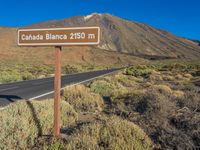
[11, 98]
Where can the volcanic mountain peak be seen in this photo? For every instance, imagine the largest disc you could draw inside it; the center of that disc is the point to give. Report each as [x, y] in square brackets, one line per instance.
[91, 15]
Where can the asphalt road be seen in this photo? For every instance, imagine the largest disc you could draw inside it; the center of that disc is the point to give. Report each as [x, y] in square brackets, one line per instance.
[43, 88]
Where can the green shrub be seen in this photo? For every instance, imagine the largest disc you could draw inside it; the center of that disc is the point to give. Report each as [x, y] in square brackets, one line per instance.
[106, 88]
[38, 70]
[55, 145]
[142, 67]
[27, 76]
[9, 76]
[22, 122]
[138, 71]
[20, 72]
[68, 69]
[82, 99]
[127, 81]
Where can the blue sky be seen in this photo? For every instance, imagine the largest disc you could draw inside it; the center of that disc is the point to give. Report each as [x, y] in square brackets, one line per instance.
[181, 17]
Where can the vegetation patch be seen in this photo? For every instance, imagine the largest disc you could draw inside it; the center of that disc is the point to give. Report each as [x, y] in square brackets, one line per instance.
[23, 122]
[138, 71]
[171, 122]
[9, 76]
[82, 99]
[18, 72]
[24, 72]
[161, 100]
[127, 81]
[106, 133]
[107, 88]
[164, 89]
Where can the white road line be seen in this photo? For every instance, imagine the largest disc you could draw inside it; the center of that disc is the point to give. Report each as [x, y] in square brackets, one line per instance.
[9, 88]
[51, 92]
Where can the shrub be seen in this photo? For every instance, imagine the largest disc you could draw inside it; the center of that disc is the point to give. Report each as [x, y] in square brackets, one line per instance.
[9, 76]
[187, 75]
[150, 102]
[138, 71]
[155, 77]
[173, 66]
[168, 78]
[127, 81]
[171, 122]
[68, 69]
[106, 88]
[82, 99]
[22, 122]
[23, 72]
[179, 77]
[108, 133]
[27, 76]
[163, 88]
[178, 93]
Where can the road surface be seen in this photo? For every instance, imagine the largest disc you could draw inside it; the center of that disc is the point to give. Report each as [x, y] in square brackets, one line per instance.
[43, 88]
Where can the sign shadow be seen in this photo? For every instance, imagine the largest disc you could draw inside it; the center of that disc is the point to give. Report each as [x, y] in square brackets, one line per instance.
[10, 98]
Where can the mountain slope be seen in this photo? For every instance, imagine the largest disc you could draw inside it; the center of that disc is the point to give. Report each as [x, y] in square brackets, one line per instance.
[11, 54]
[132, 37]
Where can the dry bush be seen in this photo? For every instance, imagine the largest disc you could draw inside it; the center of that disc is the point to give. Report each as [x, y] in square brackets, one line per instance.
[163, 88]
[187, 75]
[179, 77]
[127, 81]
[107, 133]
[173, 66]
[22, 122]
[82, 99]
[178, 93]
[155, 72]
[168, 78]
[191, 98]
[155, 78]
[171, 122]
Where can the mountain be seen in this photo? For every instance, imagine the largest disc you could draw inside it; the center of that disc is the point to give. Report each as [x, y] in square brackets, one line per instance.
[131, 37]
[122, 42]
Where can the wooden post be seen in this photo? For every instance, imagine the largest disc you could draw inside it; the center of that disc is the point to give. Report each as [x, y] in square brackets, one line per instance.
[57, 87]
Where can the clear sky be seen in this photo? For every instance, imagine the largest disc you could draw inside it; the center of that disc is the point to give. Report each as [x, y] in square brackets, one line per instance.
[181, 17]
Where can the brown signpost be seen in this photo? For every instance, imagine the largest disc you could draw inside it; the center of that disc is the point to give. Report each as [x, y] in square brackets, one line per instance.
[58, 37]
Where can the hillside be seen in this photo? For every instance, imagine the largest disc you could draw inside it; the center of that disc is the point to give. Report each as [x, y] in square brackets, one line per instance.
[10, 53]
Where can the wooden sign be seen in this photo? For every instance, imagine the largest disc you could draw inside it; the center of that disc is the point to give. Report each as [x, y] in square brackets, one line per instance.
[59, 36]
